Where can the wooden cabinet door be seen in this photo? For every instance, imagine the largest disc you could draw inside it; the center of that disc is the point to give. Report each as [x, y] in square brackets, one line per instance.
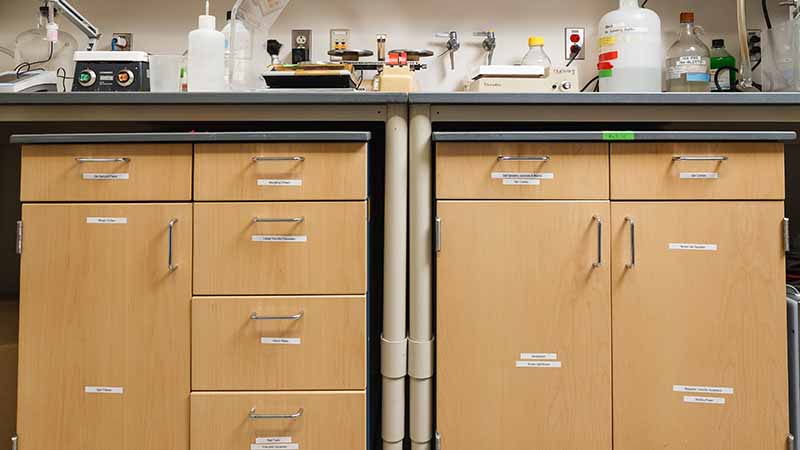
[524, 326]
[699, 326]
[104, 331]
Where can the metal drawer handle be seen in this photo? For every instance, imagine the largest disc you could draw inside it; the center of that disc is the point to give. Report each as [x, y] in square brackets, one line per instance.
[279, 220]
[699, 158]
[599, 221]
[102, 160]
[632, 264]
[170, 266]
[277, 158]
[524, 158]
[254, 416]
[297, 316]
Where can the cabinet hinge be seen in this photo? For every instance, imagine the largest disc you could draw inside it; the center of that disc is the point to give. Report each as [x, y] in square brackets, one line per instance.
[19, 237]
[438, 441]
[15, 442]
[787, 243]
[437, 238]
[790, 441]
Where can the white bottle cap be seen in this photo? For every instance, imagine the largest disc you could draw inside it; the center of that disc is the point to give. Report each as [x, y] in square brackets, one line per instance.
[52, 32]
[207, 22]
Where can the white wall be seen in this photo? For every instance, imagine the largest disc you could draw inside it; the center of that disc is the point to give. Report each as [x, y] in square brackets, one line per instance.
[162, 25]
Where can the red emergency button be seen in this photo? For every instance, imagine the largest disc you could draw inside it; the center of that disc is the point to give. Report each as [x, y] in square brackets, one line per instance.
[574, 38]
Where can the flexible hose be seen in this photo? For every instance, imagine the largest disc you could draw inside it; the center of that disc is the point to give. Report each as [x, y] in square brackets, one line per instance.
[745, 71]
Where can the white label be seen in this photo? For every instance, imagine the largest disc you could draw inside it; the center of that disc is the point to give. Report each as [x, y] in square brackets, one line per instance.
[694, 247]
[103, 390]
[280, 341]
[107, 220]
[538, 364]
[262, 238]
[274, 440]
[704, 400]
[522, 182]
[538, 356]
[690, 60]
[622, 28]
[274, 446]
[106, 176]
[280, 183]
[522, 176]
[699, 175]
[703, 390]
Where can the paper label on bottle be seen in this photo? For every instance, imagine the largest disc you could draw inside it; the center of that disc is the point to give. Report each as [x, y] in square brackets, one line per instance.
[689, 60]
[103, 390]
[699, 175]
[274, 446]
[107, 220]
[280, 341]
[608, 41]
[538, 364]
[106, 176]
[522, 182]
[704, 400]
[724, 80]
[522, 176]
[617, 28]
[693, 68]
[280, 183]
[538, 356]
[274, 440]
[694, 247]
[703, 389]
[278, 239]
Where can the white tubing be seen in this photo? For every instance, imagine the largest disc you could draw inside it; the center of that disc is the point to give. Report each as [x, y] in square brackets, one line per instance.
[745, 70]
[394, 342]
[421, 280]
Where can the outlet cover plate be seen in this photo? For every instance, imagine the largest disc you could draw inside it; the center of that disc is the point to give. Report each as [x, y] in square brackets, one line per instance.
[302, 39]
[568, 33]
[340, 38]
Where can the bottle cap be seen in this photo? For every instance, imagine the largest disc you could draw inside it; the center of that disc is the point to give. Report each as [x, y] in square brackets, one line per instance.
[207, 22]
[535, 40]
[687, 17]
[718, 43]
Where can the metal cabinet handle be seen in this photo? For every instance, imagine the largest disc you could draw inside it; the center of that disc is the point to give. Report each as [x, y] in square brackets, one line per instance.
[102, 160]
[787, 240]
[297, 316]
[172, 267]
[632, 264]
[699, 158]
[524, 158]
[14, 442]
[599, 221]
[277, 158]
[279, 220]
[254, 416]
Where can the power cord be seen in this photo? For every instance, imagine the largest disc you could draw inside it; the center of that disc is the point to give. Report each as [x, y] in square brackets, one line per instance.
[63, 77]
[28, 66]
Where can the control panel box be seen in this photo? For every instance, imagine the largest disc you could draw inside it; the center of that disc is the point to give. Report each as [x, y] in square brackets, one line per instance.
[111, 72]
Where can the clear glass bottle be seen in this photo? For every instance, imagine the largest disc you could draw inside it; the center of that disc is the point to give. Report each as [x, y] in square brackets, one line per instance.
[536, 55]
[32, 46]
[688, 60]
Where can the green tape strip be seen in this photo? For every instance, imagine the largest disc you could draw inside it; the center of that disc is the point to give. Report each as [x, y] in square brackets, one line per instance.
[619, 135]
[606, 73]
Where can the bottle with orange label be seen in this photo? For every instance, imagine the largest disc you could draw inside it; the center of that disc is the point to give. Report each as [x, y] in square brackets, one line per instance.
[630, 50]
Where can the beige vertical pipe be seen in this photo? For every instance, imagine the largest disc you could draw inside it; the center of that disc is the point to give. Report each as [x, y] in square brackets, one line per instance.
[420, 363]
[394, 342]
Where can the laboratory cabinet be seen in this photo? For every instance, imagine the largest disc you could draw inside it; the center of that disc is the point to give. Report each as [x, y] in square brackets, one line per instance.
[104, 326]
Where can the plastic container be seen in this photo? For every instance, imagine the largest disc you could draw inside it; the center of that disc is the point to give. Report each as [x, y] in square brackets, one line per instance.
[165, 73]
[688, 60]
[33, 46]
[631, 54]
[237, 62]
[206, 64]
[536, 55]
[721, 59]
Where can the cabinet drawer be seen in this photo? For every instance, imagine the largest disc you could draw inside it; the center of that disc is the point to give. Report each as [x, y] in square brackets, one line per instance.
[514, 170]
[279, 343]
[299, 171]
[107, 172]
[313, 421]
[280, 248]
[697, 170]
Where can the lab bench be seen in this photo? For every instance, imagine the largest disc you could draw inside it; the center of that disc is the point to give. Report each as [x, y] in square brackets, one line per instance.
[473, 212]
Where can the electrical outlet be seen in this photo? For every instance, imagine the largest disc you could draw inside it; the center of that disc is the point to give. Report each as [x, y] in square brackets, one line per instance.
[340, 39]
[302, 39]
[575, 38]
[754, 43]
[122, 42]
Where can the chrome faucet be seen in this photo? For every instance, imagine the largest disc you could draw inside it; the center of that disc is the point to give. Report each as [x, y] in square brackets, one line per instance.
[489, 43]
[452, 45]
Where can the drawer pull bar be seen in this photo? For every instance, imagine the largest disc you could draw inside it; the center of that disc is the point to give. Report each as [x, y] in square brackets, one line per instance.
[254, 416]
[102, 160]
[297, 316]
[699, 158]
[599, 262]
[172, 267]
[286, 220]
[632, 264]
[524, 158]
[277, 158]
